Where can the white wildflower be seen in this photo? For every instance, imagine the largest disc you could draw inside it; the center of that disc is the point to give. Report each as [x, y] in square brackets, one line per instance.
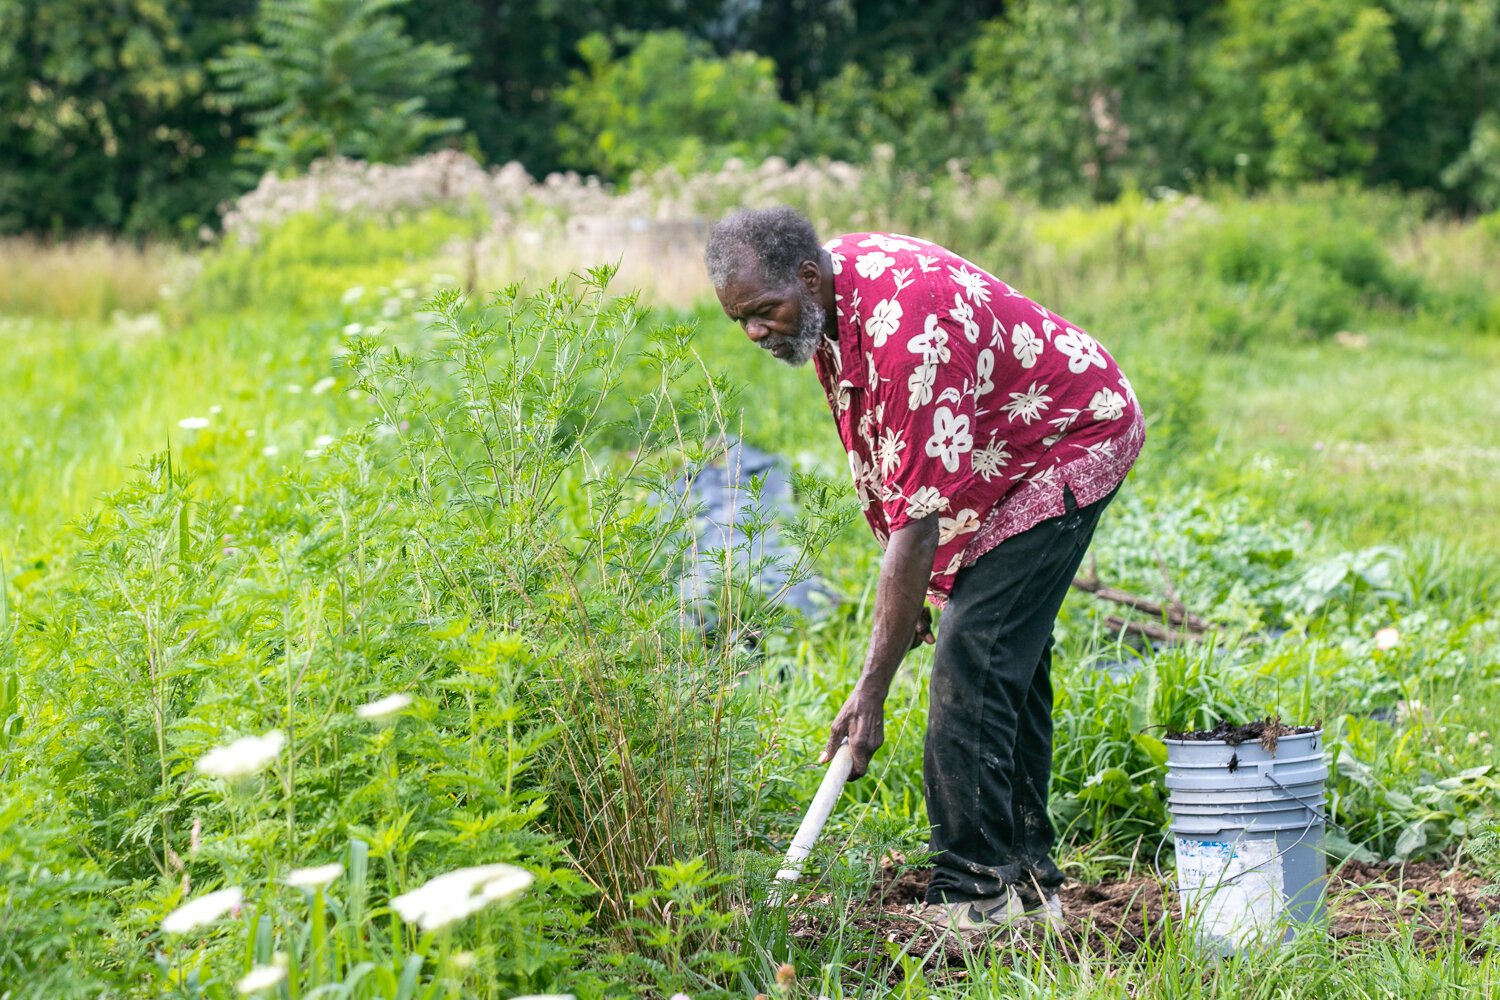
[193, 423]
[293, 388]
[353, 329]
[322, 385]
[1387, 638]
[245, 756]
[450, 898]
[322, 440]
[215, 410]
[314, 878]
[353, 295]
[262, 977]
[202, 911]
[385, 708]
[270, 450]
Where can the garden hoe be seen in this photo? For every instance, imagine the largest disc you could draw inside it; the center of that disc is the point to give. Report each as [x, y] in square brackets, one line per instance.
[812, 824]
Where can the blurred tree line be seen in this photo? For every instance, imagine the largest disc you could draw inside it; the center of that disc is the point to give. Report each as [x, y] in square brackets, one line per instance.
[140, 116]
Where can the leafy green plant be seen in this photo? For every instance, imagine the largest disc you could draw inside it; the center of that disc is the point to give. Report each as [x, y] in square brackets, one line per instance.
[335, 78]
[667, 100]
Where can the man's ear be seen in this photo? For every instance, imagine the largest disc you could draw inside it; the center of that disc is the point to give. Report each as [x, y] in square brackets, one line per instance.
[811, 275]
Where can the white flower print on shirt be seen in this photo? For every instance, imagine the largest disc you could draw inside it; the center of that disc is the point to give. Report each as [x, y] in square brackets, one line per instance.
[873, 264]
[974, 285]
[1107, 405]
[902, 277]
[963, 313]
[951, 437]
[928, 264]
[931, 343]
[985, 368]
[888, 451]
[837, 258]
[1081, 349]
[884, 320]
[964, 522]
[890, 244]
[926, 500]
[1026, 343]
[866, 482]
[1027, 406]
[919, 384]
[991, 458]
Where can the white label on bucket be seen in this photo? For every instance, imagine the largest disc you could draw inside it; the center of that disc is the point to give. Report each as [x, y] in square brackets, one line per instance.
[1232, 889]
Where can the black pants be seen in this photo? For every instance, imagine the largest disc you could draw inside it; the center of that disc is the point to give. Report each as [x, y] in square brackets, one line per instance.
[988, 758]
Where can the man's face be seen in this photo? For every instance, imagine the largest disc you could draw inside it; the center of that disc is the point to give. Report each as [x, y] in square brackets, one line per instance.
[788, 321]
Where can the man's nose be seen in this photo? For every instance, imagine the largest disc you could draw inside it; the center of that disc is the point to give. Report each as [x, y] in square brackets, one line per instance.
[756, 330]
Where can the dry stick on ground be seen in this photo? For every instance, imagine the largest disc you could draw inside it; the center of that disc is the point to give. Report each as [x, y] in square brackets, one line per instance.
[1174, 624]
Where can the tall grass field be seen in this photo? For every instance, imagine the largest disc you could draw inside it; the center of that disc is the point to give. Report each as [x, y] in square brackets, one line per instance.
[343, 650]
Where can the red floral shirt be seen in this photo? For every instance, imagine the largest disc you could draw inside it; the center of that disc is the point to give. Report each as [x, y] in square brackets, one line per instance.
[954, 394]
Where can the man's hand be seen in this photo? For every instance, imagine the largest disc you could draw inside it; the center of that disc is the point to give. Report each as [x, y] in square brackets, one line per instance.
[862, 722]
[924, 629]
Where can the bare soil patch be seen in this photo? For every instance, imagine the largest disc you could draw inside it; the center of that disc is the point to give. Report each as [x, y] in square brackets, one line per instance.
[1115, 918]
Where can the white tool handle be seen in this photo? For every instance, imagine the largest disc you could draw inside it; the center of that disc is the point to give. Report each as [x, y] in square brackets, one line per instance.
[817, 815]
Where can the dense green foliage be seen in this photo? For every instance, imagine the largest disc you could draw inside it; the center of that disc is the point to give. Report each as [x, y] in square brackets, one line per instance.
[374, 486]
[127, 116]
[335, 78]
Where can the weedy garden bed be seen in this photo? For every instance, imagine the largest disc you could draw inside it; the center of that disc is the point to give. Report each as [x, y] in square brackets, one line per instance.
[1431, 903]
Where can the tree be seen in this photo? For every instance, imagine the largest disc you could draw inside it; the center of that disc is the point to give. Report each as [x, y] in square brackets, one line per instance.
[336, 78]
[103, 122]
[1079, 96]
[669, 100]
[1294, 90]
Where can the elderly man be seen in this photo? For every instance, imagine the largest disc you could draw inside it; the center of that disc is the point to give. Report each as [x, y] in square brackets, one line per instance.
[985, 435]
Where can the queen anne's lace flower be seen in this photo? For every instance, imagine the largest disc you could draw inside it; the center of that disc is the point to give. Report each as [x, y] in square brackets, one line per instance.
[449, 898]
[202, 911]
[385, 708]
[245, 756]
[260, 978]
[314, 878]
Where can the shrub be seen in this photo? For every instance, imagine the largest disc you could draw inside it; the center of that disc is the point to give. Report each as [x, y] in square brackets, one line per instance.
[668, 100]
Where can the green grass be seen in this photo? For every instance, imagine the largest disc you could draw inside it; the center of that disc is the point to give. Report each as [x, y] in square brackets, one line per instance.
[1320, 393]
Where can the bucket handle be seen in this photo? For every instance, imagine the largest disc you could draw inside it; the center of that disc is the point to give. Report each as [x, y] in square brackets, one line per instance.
[1315, 816]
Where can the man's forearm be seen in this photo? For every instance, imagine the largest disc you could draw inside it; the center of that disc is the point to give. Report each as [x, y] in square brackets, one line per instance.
[899, 596]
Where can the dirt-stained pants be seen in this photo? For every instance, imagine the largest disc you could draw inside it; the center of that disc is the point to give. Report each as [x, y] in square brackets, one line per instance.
[988, 758]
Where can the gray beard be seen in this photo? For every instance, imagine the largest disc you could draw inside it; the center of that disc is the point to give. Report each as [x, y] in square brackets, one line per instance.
[809, 334]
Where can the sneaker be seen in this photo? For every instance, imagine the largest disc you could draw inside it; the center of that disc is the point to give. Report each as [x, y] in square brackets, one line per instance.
[1049, 914]
[988, 914]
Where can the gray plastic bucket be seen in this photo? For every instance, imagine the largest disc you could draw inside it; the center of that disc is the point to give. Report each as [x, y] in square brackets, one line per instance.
[1248, 829]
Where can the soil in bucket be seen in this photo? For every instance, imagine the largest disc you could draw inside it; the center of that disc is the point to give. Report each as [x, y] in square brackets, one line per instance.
[1265, 731]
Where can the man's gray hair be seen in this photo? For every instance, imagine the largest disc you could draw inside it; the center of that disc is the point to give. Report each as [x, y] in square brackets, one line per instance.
[776, 239]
